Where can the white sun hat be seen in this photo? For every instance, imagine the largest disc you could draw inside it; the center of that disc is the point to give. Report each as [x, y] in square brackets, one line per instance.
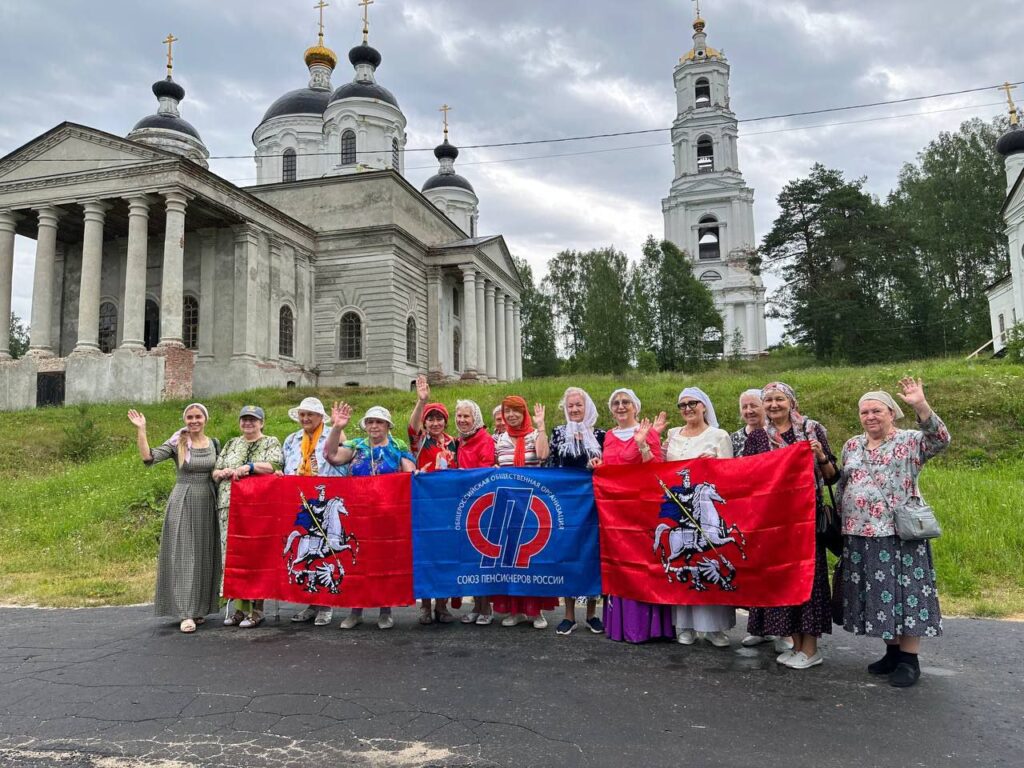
[377, 412]
[311, 404]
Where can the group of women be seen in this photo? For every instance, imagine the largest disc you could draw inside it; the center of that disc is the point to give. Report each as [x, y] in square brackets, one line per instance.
[887, 588]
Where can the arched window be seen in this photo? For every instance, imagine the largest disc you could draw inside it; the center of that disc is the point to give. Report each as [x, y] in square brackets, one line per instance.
[108, 326]
[710, 276]
[708, 246]
[288, 165]
[286, 333]
[705, 155]
[348, 147]
[394, 154]
[190, 322]
[151, 327]
[351, 346]
[456, 350]
[410, 339]
[702, 93]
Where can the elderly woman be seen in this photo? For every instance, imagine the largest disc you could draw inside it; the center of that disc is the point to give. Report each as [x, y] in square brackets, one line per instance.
[252, 453]
[888, 584]
[804, 623]
[433, 449]
[524, 443]
[499, 421]
[376, 454]
[188, 573]
[699, 438]
[577, 443]
[475, 451]
[752, 414]
[303, 454]
[633, 442]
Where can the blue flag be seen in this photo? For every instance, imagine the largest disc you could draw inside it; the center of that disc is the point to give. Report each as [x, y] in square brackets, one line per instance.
[509, 531]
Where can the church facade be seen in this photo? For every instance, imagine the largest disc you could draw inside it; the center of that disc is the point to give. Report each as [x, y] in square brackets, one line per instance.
[156, 278]
[709, 211]
[1006, 297]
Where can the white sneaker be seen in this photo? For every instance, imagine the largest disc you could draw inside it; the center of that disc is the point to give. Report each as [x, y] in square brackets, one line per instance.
[512, 619]
[785, 656]
[323, 617]
[306, 614]
[350, 622]
[384, 621]
[484, 619]
[751, 640]
[470, 618]
[717, 639]
[540, 622]
[686, 637]
[783, 644]
[801, 660]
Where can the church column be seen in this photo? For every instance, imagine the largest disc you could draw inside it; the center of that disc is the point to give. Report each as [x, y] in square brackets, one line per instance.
[517, 334]
[469, 366]
[92, 264]
[501, 358]
[8, 221]
[752, 344]
[207, 289]
[481, 328]
[273, 308]
[41, 339]
[434, 305]
[247, 245]
[172, 277]
[491, 337]
[134, 309]
[510, 342]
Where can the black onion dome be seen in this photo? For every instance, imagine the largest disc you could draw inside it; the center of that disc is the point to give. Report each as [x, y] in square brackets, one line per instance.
[364, 91]
[364, 54]
[302, 101]
[168, 88]
[169, 123]
[1011, 142]
[440, 180]
[446, 150]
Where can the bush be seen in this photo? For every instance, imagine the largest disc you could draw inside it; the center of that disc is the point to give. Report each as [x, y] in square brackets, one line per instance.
[82, 438]
[1015, 343]
[646, 361]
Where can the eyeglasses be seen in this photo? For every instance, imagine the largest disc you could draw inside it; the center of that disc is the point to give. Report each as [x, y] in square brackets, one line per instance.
[621, 403]
[689, 405]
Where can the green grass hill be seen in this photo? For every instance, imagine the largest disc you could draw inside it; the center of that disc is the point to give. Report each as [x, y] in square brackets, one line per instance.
[80, 515]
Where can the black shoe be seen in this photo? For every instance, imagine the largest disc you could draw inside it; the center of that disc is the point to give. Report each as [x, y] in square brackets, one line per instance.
[905, 675]
[885, 665]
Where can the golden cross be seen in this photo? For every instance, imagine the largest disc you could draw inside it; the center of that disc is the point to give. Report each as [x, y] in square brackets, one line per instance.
[697, 3]
[1009, 100]
[321, 5]
[445, 109]
[170, 40]
[366, 18]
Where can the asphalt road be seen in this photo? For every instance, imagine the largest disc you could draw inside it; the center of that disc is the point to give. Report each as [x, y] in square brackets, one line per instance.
[117, 688]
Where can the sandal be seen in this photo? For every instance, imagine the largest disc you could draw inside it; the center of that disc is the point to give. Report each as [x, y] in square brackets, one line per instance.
[425, 615]
[253, 620]
[442, 616]
[188, 626]
[234, 619]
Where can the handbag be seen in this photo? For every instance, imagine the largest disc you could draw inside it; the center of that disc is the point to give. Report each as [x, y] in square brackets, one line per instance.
[916, 520]
[831, 534]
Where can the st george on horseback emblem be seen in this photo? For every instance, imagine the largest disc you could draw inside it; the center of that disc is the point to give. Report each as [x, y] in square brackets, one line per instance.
[313, 547]
[697, 528]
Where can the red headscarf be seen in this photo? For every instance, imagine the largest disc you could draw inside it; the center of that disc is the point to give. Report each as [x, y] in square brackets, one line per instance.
[516, 403]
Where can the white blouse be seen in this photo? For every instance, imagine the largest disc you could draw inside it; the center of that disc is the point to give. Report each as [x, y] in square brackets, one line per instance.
[711, 440]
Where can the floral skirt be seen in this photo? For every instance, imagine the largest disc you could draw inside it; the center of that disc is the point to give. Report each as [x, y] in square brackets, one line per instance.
[889, 588]
[813, 617]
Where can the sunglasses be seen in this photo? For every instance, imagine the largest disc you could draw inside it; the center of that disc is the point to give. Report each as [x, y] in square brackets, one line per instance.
[689, 405]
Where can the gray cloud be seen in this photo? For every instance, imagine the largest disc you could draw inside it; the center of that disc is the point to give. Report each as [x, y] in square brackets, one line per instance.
[527, 70]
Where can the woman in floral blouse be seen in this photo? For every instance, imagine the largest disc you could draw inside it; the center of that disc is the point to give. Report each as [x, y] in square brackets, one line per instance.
[888, 584]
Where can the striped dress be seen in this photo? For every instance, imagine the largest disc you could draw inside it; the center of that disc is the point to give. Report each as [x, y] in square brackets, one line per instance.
[188, 574]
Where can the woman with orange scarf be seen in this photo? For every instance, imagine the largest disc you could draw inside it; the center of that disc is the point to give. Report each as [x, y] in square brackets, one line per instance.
[524, 443]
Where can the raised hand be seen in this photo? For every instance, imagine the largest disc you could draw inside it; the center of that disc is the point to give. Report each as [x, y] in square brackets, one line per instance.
[642, 430]
[136, 418]
[341, 414]
[913, 395]
[538, 415]
[660, 423]
[422, 388]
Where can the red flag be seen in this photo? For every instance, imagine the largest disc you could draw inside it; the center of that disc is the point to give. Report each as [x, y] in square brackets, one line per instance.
[734, 532]
[324, 541]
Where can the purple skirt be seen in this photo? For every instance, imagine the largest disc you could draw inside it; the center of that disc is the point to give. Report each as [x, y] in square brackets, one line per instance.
[636, 622]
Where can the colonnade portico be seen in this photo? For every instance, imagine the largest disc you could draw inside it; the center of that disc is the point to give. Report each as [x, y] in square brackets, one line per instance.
[490, 326]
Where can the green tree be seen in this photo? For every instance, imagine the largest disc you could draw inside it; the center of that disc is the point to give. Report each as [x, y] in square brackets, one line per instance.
[540, 357]
[18, 337]
[565, 285]
[607, 322]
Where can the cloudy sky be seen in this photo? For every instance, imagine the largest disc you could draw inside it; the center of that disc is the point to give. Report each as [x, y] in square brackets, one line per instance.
[528, 70]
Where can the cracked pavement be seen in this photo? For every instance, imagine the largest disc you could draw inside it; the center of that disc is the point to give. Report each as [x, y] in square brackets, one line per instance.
[118, 688]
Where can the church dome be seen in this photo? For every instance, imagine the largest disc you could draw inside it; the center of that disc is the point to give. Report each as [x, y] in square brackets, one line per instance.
[361, 90]
[169, 89]
[167, 123]
[364, 54]
[446, 150]
[1011, 142]
[302, 101]
[439, 180]
[167, 129]
[320, 54]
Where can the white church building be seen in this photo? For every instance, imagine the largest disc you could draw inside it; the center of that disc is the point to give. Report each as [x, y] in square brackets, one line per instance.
[156, 278]
[709, 211]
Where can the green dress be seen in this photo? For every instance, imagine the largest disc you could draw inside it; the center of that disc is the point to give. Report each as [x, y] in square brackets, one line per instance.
[188, 572]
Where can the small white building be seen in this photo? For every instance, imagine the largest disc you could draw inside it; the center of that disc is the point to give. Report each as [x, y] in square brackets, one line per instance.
[709, 212]
[1006, 297]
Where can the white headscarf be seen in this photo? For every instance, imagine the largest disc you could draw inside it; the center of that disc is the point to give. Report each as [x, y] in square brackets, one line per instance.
[585, 428]
[629, 393]
[478, 417]
[698, 394]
